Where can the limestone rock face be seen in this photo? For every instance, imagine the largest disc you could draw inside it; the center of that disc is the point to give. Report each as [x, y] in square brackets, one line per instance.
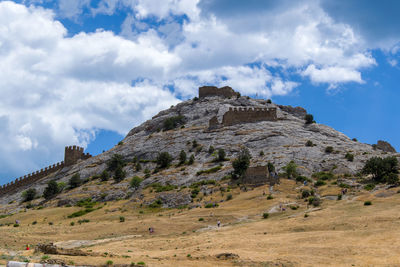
[281, 141]
[385, 146]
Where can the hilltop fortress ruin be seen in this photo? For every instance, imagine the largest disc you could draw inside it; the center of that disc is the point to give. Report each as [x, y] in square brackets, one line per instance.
[236, 115]
[71, 156]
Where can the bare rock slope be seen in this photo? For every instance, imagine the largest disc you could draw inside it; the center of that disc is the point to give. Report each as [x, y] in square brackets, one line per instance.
[279, 141]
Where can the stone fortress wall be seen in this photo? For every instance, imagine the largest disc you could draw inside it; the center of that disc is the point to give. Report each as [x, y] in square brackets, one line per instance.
[71, 156]
[258, 175]
[209, 91]
[243, 115]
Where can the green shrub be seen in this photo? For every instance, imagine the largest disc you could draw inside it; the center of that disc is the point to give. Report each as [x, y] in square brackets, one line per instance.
[86, 202]
[164, 159]
[269, 101]
[302, 179]
[212, 170]
[328, 149]
[229, 197]
[265, 215]
[75, 181]
[51, 190]
[72, 224]
[211, 205]
[270, 197]
[182, 157]
[120, 143]
[291, 169]
[369, 187]
[138, 166]
[104, 176]
[191, 160]
[349, 156]
[201, 219]
[315, 201]
[309, 118]
[241, 163]
[367, 203]
[305, 193]
[116, 162]
[34, 222]
[343, 185]
[80, 213]
[16, 225]
[135, 182]
[109, 262]
[83, 221]
[323, 175]
[173, 122]
[121, 219]
[261, 153]
[194, 144]
[319, 183]
[339, 197]
[195, 191]
[156, 204]
[211, 150]
[162, 188]
[141, 262]
[221, 154]
[29, 194]
[119, 174]
[270, 167]
[309, 143]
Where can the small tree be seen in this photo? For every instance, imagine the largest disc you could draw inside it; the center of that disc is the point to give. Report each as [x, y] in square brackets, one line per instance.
[191, 160]
[115, 162]
[136, 181]
[271, 167]
[29, 194]
[309, 119]
[51, 190]
[182, 157]
[138, 166]
[119, 174]
[164, 159]
[75, 181]
[104, 176]
[241, 163]
[328, 149]
[211, 149]
[349, 156]
[221, 154]
[382, 170]
[290, 169]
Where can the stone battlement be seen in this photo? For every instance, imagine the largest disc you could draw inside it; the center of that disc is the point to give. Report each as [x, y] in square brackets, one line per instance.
[244, 115]
[209, 91]
[72, 155]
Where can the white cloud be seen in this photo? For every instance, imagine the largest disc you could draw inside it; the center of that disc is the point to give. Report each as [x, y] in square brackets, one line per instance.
[332, 75]
[58, 90]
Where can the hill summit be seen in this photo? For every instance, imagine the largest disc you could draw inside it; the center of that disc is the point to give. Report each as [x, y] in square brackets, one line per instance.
[220, 119]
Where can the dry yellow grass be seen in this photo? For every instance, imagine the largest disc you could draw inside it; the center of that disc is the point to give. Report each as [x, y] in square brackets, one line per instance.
[341, 233]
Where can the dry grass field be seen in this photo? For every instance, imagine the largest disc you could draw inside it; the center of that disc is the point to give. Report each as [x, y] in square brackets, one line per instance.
[338, 233]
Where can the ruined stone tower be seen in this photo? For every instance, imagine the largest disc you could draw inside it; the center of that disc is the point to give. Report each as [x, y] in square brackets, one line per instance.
[73, 154]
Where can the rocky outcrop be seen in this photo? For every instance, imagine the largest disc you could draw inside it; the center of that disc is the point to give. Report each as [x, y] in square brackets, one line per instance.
[295, 111]
[385, 146]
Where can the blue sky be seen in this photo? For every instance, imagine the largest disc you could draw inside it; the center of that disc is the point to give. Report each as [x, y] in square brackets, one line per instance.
[86, 72]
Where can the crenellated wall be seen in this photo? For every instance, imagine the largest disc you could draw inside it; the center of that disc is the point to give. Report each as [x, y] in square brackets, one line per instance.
[258, 175]
[243, 115]
[208, 91]
[30, 178]
[71, 156]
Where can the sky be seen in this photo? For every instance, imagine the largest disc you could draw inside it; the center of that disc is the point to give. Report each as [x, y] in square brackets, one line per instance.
[85, 72]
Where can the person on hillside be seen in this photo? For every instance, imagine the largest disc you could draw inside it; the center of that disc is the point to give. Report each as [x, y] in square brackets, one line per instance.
[218, 223]
[151, 230]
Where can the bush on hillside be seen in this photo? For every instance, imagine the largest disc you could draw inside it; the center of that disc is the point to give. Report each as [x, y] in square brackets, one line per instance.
[182, 157]
[115, 162]
[51, 190]
[173, 122]
[291, 169]
[241, 163]
[382, 170]
[135, 182]
[309, 119]
[164, 159]
[29, 194]
[75, 181]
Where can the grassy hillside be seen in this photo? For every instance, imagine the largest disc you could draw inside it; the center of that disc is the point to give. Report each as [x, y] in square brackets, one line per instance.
[336, 233]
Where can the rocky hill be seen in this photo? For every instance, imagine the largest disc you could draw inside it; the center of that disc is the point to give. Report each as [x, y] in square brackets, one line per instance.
[288, 138]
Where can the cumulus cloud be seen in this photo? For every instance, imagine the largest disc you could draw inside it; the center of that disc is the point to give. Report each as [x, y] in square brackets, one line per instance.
[59, 89]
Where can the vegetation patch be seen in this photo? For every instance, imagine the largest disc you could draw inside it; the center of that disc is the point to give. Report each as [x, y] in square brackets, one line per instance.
[323, 176]
[212, 170]
[173, 122]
